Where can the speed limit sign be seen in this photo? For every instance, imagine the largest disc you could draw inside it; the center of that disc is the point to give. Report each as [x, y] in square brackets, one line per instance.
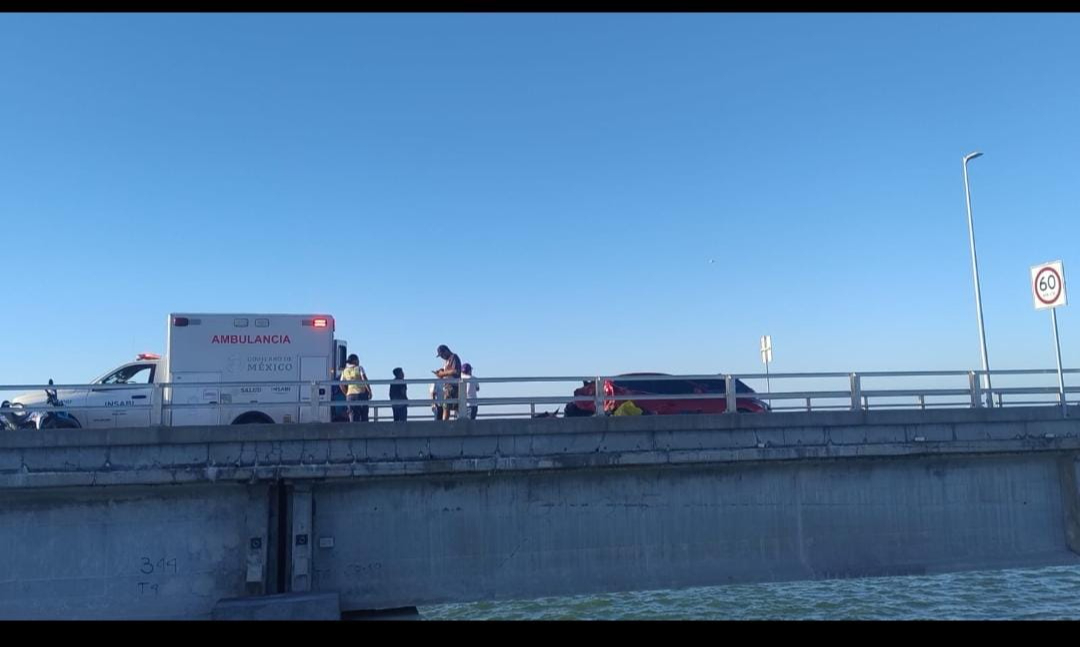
[1048, 285]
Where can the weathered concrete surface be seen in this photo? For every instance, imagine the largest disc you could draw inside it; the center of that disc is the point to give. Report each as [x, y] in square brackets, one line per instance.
[248, 453]
[395, 515]
[130, 552]
[429, 539]
[1069, 474]
[283, 606]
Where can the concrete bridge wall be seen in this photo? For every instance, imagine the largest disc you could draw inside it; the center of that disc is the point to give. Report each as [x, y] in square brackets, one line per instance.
[166, 522]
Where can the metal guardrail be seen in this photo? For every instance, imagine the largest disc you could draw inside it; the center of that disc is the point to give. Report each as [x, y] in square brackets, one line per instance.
[853, 395]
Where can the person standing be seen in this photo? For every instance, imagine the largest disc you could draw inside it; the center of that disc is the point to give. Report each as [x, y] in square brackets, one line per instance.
[471, 387]
[450, 371]
[399, 392]
[360, 390]
[436, 399]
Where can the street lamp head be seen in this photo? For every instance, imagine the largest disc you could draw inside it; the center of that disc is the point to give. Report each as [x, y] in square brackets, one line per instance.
[971, 156]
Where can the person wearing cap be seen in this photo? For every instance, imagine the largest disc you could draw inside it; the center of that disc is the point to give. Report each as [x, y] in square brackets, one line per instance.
[353, 372]
[471, 387]
[450, 371]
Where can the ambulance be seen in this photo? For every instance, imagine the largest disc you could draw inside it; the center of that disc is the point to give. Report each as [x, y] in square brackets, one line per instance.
[220, 369]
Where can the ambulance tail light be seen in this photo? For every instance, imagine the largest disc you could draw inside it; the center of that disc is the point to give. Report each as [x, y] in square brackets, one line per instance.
[180, 322]
[319, 322]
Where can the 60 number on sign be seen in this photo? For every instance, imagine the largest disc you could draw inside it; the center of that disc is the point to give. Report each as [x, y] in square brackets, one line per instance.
[1048, 285]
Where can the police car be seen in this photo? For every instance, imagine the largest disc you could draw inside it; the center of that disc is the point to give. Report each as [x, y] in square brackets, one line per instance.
[119, 407]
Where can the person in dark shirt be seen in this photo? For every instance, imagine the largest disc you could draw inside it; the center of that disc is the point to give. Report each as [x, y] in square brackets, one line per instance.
[398, 392]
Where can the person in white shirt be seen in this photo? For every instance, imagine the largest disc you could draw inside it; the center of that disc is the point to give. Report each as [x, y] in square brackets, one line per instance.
[471, 387]
[436, 391]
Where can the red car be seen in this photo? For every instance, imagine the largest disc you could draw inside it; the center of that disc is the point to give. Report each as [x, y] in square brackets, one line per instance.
[666, 406]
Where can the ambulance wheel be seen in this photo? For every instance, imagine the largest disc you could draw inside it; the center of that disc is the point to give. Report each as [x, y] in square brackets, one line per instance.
[253, 418]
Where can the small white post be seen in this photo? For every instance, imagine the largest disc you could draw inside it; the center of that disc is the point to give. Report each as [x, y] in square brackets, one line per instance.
[463, 409]
[157, 411]
[730, 405]
[973, 384]
[856, 391]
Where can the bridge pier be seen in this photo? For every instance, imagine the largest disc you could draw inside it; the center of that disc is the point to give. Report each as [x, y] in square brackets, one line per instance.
[1068, 466]
[300, 513]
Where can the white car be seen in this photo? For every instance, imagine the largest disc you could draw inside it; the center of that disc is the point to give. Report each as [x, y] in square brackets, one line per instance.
[120, 407]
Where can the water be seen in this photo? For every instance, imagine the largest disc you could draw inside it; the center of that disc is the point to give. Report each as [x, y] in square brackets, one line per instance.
[1020, 594]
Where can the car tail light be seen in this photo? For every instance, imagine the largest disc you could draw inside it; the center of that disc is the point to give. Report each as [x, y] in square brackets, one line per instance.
[180, 321]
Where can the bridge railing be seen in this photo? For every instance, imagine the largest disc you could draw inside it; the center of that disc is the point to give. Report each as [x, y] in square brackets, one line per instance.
[532, 395]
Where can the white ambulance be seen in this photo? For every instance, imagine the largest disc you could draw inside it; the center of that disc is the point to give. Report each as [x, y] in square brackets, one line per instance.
[242, 368]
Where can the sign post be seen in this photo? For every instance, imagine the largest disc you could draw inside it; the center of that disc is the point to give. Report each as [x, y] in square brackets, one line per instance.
[1048, 290]
[766, 357]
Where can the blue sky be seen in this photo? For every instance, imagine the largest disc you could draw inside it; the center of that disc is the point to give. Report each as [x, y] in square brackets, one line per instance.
[541, 192]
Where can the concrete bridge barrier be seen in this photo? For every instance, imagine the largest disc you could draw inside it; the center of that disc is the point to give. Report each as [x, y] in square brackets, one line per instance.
[178, 522]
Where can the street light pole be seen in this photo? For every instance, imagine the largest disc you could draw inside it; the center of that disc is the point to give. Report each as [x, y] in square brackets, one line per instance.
[975, 273]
